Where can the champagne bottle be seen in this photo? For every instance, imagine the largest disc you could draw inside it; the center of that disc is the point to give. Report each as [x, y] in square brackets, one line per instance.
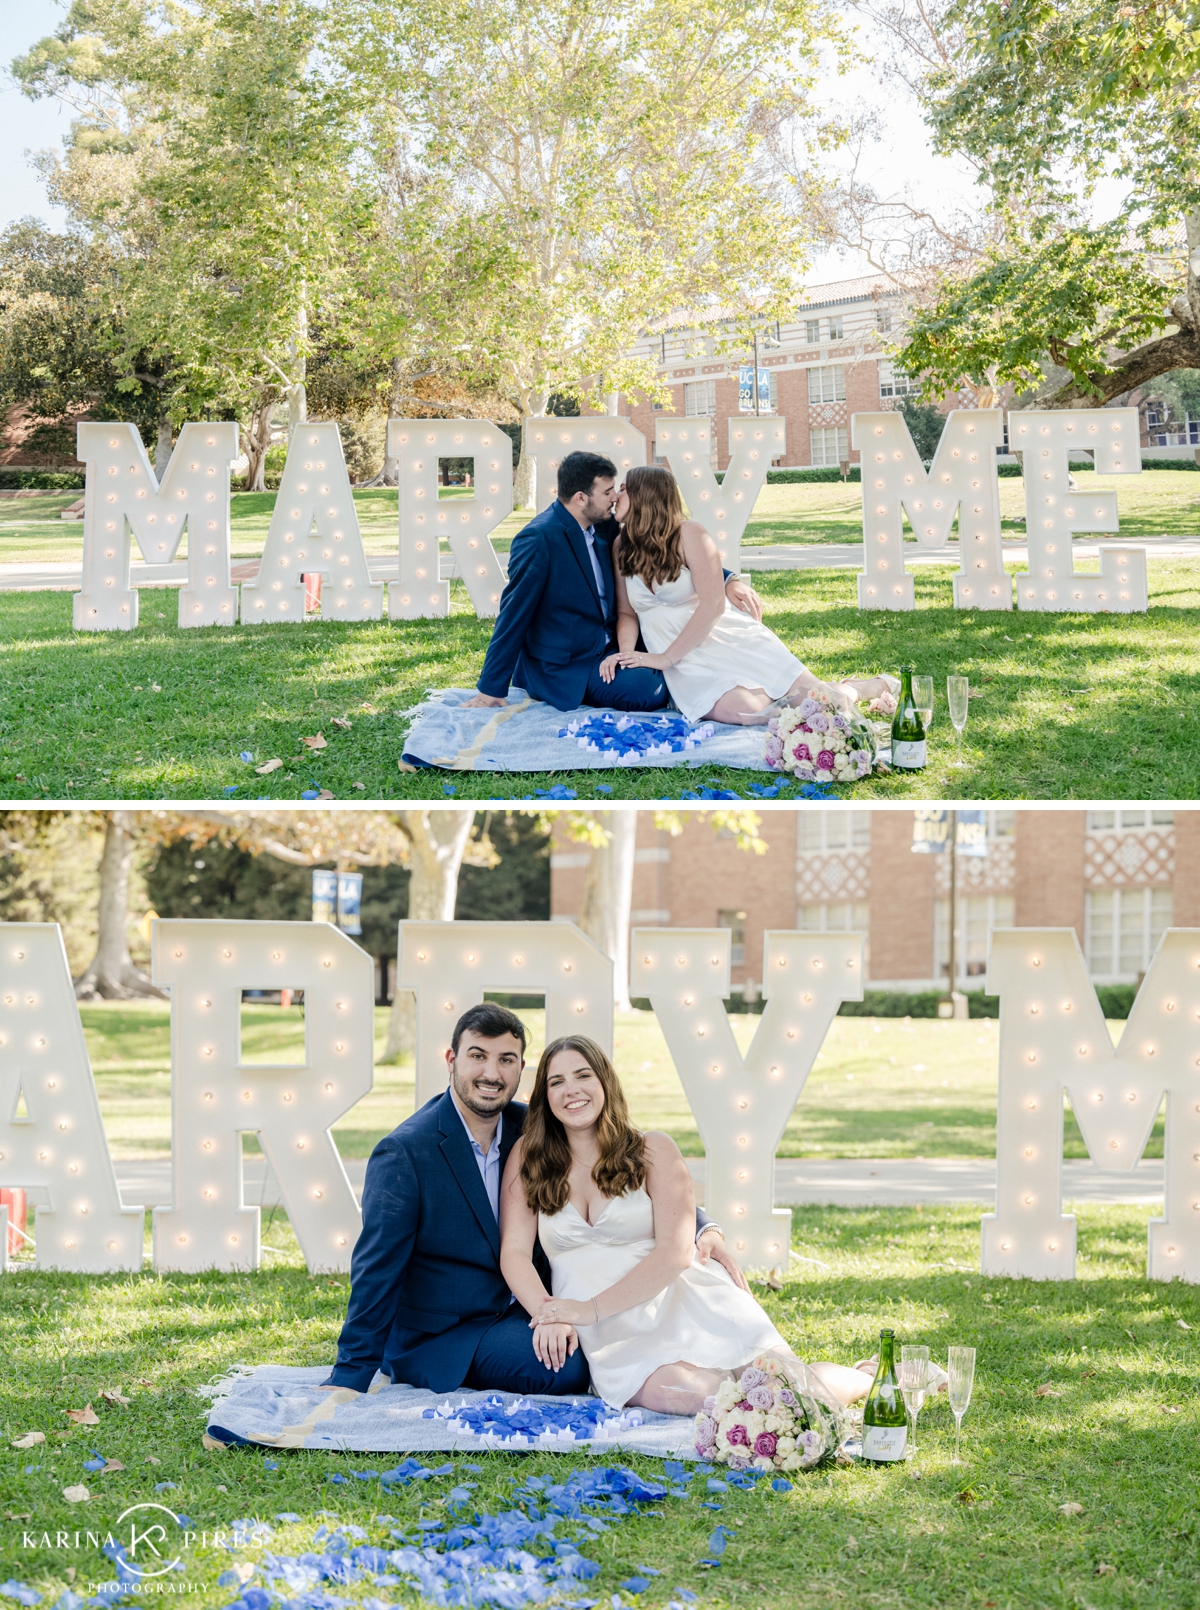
[908, 730]
[885, 1423]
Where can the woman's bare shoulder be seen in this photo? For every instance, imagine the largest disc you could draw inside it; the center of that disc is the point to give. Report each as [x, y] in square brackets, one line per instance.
[660, 1148]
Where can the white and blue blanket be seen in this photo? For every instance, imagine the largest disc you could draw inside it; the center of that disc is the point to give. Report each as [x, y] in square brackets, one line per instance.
[279, 1406]
[526, 735]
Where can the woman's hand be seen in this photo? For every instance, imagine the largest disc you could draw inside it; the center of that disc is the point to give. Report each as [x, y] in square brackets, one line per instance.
[562, 1311]
[649, 662]
[554, 1344]
[608, 667]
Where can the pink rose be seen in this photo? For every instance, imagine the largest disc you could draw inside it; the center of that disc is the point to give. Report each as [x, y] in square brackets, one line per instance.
[738, 1437]
[802, 752]
[764, 1445]
[826, 759]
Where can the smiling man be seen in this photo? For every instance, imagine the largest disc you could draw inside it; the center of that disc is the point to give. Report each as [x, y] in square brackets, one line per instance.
[428, 1303]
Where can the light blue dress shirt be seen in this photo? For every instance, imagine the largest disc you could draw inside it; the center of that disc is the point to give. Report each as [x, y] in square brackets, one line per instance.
[589, 536]
[488, 1163]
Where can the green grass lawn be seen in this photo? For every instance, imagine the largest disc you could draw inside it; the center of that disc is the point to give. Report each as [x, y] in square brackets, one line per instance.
[1116, 1434]
[1064, 706]
[1161, 502]
[880, 1087]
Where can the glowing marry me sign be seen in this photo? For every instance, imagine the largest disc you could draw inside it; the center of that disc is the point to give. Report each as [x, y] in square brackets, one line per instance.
[1053, 1038]
[314, 527]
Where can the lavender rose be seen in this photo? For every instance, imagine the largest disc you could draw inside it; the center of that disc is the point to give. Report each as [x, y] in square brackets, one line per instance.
[788, 1399]
[774, 752]
[706, 1433]
[752, 1376]
[738, 1437]
[819, 722]
[761, 1397]
[808, 707]
[764, 1445]
[709, 1405]
[826, 760]
[736, 1462]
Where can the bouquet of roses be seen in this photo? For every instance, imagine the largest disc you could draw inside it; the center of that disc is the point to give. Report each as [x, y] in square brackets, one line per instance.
[767, 1419]
[821, 742]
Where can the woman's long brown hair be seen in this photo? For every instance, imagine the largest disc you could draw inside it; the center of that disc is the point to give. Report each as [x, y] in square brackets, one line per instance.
[649, 544]
[546, 1162]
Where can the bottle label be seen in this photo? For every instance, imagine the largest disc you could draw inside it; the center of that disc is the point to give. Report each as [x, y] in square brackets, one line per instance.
[908, 756]
[884, 1442]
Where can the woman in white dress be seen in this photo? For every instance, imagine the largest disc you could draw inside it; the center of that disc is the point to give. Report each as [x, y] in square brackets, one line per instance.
[719, 663]
[615, 1213]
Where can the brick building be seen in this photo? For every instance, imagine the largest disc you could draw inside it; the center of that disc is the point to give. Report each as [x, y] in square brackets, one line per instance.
[1118, 877]
[823, 365]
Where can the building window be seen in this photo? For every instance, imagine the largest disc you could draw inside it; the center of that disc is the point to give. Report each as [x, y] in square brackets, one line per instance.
[735, 921]
[1108, 821]
[883, 320]
[812, 331]
[834, 830]
[827, 384]
[892, 383]
[773, 382]
[1122, 928]
[1002, 824]
[829, 446]
[840, 917]
[978, 917]
[700, 398]
[836, 328]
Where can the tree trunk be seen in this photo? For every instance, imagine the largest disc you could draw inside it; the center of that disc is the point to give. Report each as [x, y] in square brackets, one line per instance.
[608, 897]
[164, 446]
[439, 842]
[298, 367]
[112, 975]
[525, 488]
[256, 439]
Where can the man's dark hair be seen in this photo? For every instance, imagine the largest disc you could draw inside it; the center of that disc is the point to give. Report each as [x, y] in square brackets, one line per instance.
[578, 471]
[489, 1021]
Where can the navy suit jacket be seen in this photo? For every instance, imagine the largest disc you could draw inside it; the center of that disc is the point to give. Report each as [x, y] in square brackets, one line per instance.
[425, 1279]
[552, 629]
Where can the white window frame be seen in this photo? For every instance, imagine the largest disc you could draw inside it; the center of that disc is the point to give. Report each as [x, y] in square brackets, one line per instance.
[1149, 910]
[983, 912]
[893, 383]
[700, 399]
[819, 450]
[1130, 821]
[812, 331]
[828, 832]
[827, 383]
[735, 921]
[837, 327]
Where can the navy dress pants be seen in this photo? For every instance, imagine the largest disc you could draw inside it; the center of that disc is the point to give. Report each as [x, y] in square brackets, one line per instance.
[634, 687]
[506, 1362]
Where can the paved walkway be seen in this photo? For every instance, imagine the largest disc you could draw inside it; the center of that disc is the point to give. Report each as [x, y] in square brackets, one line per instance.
[66, 575]
[856, 1182]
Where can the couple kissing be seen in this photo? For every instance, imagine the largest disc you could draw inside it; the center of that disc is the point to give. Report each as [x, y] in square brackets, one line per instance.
[614, 599]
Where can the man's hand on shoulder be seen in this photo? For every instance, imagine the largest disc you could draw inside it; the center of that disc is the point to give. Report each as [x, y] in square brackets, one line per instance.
[711, 1244]
[742, 596]
[482, 699]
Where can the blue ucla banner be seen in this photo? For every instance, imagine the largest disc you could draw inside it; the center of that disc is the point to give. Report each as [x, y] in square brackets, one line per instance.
[931, 832]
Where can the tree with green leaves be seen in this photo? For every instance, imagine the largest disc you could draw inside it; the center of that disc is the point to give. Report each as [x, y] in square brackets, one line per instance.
[215, 153]
[1045, 97]
[609, 160]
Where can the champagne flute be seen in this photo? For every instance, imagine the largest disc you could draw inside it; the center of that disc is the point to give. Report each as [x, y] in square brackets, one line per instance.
[914, 1383]
[957, 693]
[962, 1378]
[923, 699]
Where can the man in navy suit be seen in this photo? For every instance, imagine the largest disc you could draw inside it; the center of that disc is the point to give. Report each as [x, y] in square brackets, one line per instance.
[428, 1304]
[557, 618]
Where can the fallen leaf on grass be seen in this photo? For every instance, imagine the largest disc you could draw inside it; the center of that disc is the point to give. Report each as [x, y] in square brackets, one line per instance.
[1046, 1390]
[317, 741]
[361, 787]
[1071, 1508]
[1130, 1335]
[270, 765]
[29, 1439]
[1106, 1570]
[155, 688]
[340, 721]
[1182, 1323]
[1168, 1408]
[968, 1496]
[76, 1495]
[326, 793]
[114, 1395]
[111, 1464]
[151, 1460]
[86, 1416]
[9, 1516]
[145, 1383]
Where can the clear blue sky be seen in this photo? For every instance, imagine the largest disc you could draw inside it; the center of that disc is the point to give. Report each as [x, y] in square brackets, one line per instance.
[25, 125]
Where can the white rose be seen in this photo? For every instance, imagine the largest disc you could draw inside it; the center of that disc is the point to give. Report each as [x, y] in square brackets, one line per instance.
[728, 1393]
[755, 1421]
[777, 1422]
[792, 1462]
[785, 1446]
[764, 1462]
